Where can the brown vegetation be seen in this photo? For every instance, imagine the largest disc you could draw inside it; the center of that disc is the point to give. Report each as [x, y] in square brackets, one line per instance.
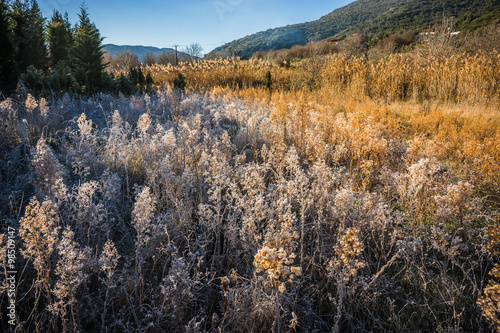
[354, 195]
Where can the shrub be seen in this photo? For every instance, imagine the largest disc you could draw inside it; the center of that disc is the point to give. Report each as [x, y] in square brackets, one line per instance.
[180, 82]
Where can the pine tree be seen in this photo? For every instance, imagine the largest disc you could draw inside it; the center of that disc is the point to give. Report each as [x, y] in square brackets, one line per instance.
[6, 50]
[268, 81]
[19, 36]
[180, 82]
[87, 54]
[37, 55]
[28, 36]
[59, 38]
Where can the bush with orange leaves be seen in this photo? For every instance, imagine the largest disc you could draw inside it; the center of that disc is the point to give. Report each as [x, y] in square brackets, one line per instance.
[490, 301]
[343, 267]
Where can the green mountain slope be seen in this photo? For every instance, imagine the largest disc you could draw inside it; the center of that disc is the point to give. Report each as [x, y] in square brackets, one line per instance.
[416, 14]
[369, 16]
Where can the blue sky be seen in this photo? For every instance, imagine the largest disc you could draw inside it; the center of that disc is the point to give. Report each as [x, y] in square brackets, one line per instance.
[163, 23]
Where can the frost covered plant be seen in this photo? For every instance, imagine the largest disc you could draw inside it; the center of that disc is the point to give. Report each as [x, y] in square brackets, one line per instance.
[177, 289]
[23, 130]
[218, 178]
[3, 264]
[48, 173]
[254, 206]
[31, 103]
[108, 260]
[409, 248]
[44, 108]
[107, 264]
[276, 264]
[116, 151]
[82, 154]
[277, 253]
[87, 211]
[299, 192]
[344, 202]
[490, 301]
[110, 186]
[39, 229]
[446, 243]
[420, 176]
[84, 125]
[276, 257]
[72, 267]
[345, 266]
[347, 262]
[144, 123]
[142, 214]
[417, 186]
[455, 203]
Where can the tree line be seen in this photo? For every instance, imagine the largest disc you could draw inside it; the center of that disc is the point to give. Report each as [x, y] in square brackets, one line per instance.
[52, 55]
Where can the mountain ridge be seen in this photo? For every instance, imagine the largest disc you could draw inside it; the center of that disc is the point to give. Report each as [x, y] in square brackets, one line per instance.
[140, 50]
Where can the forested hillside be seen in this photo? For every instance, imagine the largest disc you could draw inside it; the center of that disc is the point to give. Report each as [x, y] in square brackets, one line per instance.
[373, 17]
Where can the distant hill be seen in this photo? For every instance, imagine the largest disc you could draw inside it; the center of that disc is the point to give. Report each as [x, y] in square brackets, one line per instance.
[372, 17]
[141, 51]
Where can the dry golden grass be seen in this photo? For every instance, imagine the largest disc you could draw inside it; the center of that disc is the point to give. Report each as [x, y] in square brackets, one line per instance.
[446, 108]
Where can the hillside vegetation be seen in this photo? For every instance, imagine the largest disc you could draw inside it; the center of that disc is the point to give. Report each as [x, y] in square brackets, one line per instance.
[372, 17]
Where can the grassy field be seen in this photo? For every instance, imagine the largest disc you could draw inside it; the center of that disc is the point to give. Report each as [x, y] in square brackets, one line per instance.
[352, 196]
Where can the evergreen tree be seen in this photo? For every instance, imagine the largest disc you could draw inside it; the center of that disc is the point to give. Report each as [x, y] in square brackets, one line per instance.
[19, 36]
[180, 82]
[28, 36]
[59, 38]
[87, 53]
[37, 55]
[268, 81]
[6, 50]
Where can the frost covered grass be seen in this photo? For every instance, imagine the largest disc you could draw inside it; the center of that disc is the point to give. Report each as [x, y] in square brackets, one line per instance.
[240, 210]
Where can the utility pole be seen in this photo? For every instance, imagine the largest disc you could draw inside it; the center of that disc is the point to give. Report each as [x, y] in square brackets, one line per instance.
[176, 59]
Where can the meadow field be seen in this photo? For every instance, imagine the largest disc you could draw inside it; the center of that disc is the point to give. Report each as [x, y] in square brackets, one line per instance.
[345, 194]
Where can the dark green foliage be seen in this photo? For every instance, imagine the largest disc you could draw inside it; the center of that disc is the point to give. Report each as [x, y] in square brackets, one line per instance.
[180, 82]
[34, 79]
[149, 79]
[27, 35]
[37, 55]
[471, 22]
[125, 85]
[268, 81]
[133, 82]
[73, 61]
[59, 38]
[137, 77]
[58, 81]
[61, 79]
[418, 14]
[19, 36]
[87, 54]
[6, 51]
